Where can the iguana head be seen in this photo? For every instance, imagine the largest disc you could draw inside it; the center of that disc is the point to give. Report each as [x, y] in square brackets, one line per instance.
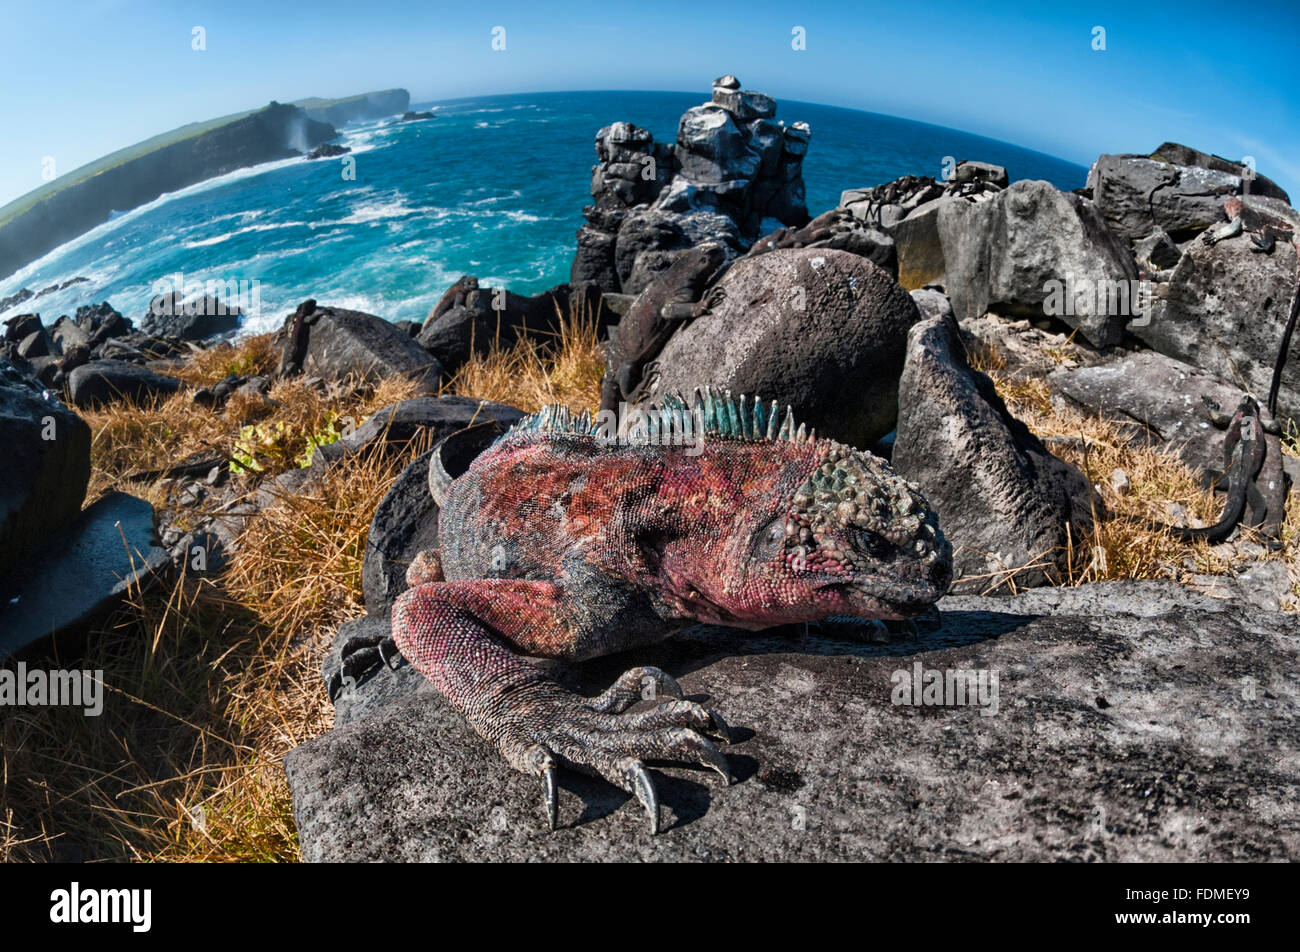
[808, 528]
[853, 539]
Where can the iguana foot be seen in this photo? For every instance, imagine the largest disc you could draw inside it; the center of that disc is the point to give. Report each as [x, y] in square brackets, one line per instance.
[711, 301]
[357, 656]
[546, 726]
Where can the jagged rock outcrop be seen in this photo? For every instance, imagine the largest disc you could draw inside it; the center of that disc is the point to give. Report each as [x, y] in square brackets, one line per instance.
[1008, 506]
[733, 166]
[23, 295]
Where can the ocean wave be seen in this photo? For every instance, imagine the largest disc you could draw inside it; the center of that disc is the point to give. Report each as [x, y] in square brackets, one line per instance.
[226, 236]
[365, 212]
[102, 232]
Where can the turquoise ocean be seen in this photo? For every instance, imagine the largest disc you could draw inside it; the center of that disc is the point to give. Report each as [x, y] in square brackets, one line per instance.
[493, 187]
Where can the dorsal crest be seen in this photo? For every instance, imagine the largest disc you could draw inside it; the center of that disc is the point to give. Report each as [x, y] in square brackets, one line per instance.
[710, 412]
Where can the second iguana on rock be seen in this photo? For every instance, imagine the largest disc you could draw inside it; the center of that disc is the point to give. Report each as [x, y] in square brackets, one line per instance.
[564, 541]
[675, 297]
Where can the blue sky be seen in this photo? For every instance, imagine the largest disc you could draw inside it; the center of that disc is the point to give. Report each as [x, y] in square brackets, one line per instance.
[81, 79]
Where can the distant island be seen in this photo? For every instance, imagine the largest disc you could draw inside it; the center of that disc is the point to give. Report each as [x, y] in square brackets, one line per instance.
[72, 204]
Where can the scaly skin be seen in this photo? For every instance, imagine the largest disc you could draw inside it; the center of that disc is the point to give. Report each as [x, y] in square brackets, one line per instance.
[559, 543]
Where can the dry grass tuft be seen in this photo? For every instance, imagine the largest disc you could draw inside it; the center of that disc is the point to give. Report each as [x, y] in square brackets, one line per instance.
[1123, 543]
[209, 682]
[245, 357]
[208, 686]
[536, 371]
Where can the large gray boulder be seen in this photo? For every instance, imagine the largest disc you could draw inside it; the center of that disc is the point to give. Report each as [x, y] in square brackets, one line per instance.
[1254, 182]
[1225, 310]
[110, 549]
[1136, 195]
[46, 466]
[108, 381]
[1134, 722]
[821, 330]
[1030, 251]
[1008, 506]
[335, 343]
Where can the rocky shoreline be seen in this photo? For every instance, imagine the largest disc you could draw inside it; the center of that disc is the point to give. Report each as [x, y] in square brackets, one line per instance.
[1145, 719]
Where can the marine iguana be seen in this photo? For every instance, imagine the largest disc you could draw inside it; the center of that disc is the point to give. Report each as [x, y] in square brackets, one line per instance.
[561, 542]
[1264, 229]
[838, 229]
[1244, 450]
[819, 229]
[672, 299]
[455, 296]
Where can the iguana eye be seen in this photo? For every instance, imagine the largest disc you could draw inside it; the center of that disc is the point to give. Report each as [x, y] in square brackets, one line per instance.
[772, 537]
[867, 541]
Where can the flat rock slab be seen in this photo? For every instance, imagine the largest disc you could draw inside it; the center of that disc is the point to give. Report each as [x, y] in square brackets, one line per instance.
[1117, 737]
[1161, 399]
[110, 548]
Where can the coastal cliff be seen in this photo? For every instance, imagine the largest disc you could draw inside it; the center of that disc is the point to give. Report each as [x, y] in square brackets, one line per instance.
[74, 203]
[376, 105]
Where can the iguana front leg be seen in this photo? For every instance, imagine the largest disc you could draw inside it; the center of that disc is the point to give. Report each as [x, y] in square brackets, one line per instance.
[1230, 229]
[460, 635]
[712, 300]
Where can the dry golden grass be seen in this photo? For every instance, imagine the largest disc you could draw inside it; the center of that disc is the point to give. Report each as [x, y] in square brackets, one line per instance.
[1123, 543]
[537, 370]
[209, 682]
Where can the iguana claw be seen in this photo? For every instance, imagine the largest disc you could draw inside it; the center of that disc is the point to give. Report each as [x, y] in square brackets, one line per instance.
[552, 796]
[593, 735]
[634, 685]
[645, 791]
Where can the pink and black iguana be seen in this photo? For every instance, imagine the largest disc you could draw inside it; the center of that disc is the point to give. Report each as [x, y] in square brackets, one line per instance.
[563, 543]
